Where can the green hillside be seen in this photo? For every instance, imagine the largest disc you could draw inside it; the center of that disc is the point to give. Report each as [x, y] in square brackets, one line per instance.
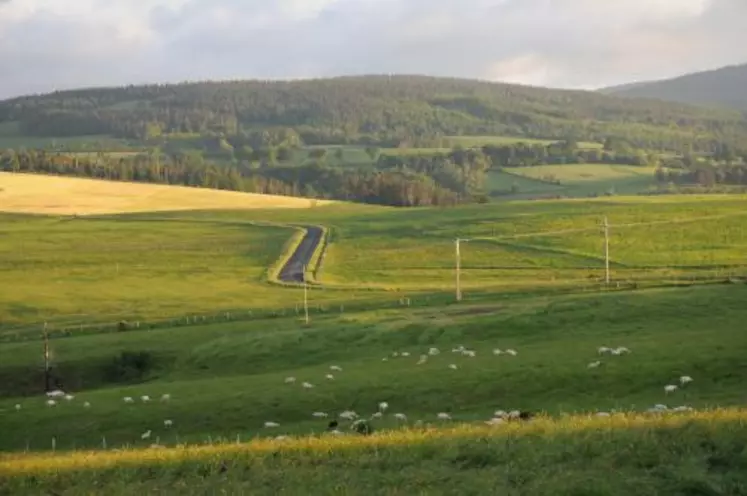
[725, 87]
[387, 111]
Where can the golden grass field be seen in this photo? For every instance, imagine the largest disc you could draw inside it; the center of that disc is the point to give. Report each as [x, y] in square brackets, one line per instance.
[52, 195]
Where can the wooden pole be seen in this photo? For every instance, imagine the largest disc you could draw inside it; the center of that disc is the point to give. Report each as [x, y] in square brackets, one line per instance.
[606, 251]
[305, 297]
[458, 271]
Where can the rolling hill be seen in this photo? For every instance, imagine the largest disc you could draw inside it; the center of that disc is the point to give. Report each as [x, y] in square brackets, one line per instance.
[725, 87]
[381, 110]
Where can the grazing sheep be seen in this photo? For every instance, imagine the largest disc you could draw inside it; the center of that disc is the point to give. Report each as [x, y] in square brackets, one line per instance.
[145, 399]
[395, 354]
[319, 415]
[497, 352]
[670, 388]
[594, 365]
[290, 380]
[86, 405]
[405, 354]
[69, 397]
[145, 435]
[511, 352]
[661, 407]
[128, 400]
[423, 359]
[453, 366]
[18, 407]
[622, 350]
[495, 421]
[330, 377]
[51, 403]
[385, 359]
[56, 394]
[166, 397]
[168, 423]
[281, 438]
[377, 415]
[307, 385]
[335, 368]
[469, 353]
[349, 415]
[459, 349]
[514, 414]
[335, 432]
[602, 414]
[271, 425]
[383, 406]
[603, 350]
[434, 352]
[500, 414]
[400, 416]
[685, 379]
[443, 416]
[681, 409]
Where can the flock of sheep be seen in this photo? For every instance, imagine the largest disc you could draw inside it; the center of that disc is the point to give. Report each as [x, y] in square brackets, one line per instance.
[361, 424]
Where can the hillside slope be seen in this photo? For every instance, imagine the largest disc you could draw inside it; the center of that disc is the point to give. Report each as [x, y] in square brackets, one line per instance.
[725, 87]
[388, 111]
[29, 193]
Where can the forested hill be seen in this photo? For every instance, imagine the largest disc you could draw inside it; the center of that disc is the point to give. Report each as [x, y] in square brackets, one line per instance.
[726, 87]
[380, 110]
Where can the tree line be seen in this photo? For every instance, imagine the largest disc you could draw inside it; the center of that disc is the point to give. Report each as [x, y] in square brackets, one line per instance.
[406, 188]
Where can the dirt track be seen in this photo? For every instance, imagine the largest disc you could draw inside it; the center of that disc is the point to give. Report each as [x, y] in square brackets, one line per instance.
[293, 269]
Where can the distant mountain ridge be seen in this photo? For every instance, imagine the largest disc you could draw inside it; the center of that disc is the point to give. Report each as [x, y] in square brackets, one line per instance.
[724, 87]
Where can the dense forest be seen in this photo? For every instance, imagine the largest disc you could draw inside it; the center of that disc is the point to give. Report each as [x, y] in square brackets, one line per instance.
[371, 110]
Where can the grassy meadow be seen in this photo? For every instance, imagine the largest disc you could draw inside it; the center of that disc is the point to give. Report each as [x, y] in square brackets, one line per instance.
[532, 275]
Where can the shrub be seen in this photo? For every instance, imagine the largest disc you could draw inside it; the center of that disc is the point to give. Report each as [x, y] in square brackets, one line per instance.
[129, 366]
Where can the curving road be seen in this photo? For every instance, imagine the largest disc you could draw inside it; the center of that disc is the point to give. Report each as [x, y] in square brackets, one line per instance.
[292, 271]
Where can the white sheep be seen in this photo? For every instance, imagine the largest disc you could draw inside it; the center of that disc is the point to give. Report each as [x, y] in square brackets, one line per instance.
[166, 397]
[594, 365]
[348, 415]
[51, 403]
[622, 350]
[514, 414]
[423, 359]
[330, 377]
[56, 394]
[271, 425]
[434, 351]
[453, 366]
[319, 415]
[281, 438]
[377, 415]
[290, 380]
[383, 406]
[495, 421]
[385, 359]
[661, 407]
[307, 385]
[497, 352]
[145, 398]
[335, 368]
[395, 354]
[685, 379]
[602, 414]
[400, 416]
[168, 423]
[500, 414]
[443, 416]
[335, 432]
[469, 353]
[18, 407]
[670, 388]
[128, 400]
[405, 353]
[511, 352]
[145, 435]
[458, 349]
[681, 409]
[69, 397]
[86, 405]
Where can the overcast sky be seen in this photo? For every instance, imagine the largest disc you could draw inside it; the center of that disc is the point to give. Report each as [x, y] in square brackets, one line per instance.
[59, 44]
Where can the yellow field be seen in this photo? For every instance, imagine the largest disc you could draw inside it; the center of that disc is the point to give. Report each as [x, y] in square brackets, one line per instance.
[37, 194]
[582, 173]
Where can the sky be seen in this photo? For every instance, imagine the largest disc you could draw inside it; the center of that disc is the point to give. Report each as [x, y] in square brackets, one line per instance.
[48, 45]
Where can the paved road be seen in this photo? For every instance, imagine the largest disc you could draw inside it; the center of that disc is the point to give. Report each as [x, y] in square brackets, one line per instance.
[293, 269]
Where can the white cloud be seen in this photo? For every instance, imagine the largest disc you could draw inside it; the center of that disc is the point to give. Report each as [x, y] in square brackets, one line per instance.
[46, 44]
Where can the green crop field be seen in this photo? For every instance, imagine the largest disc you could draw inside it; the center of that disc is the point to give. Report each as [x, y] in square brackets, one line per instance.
[227, 341]
[475, 141]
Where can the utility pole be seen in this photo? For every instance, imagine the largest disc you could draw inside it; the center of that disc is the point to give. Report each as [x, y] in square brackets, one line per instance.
[45, 336]
[458, 271]
[606, 251]
[305, 297]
